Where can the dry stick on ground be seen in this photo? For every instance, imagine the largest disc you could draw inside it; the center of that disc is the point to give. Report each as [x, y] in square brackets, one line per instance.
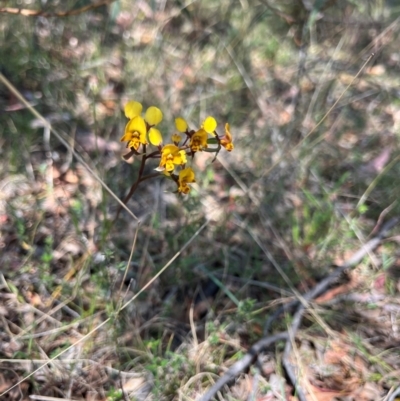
[394, 395]
[326, 282]
[323, 286]
[244, 363]
[39, 13]
[290, 369]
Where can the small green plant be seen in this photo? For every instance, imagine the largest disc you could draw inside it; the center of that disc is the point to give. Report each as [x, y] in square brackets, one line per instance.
[114, 394]
[46, 258]
[168, 369]
[245, 308]
[213, 335]
[47, 255]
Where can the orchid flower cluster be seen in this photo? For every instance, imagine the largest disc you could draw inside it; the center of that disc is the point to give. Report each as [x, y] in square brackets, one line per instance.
[173, 156]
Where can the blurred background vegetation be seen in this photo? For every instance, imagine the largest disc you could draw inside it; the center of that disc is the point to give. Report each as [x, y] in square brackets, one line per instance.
[293, 194]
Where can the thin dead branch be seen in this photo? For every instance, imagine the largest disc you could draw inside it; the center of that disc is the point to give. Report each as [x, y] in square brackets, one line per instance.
[244, 363]
[394, 395]
[323, 285]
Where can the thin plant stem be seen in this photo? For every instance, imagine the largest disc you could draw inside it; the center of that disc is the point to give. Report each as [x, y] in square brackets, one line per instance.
[133, 187]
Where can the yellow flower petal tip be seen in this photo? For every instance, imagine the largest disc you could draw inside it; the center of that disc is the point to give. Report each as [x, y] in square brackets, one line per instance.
[209, 124]
[153, 115]
[133, 109]
[181, 124]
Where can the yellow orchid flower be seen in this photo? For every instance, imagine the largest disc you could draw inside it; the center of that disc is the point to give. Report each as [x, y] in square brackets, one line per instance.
[135, 133]
[198, 141]
[171, 155]
[138, 127]
[186, 176]
[226, 140]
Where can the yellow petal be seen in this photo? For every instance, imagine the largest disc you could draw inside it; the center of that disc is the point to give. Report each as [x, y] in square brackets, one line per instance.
[169, 149]
[226, 140]
[203, 135]
[180, 158]
[209, 124]
[134, 143]
[127, 135]
[184, 189]
[198, 141]
[153, 115]
[133, 109]
[155, 137]
[137, 125]
[169, 165]
[187, 175]
[181, 124]
[228, 132]
[227, 145]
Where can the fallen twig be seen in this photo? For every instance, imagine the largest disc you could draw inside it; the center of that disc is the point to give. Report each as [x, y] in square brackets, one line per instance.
[241, 365]
[290, 369]
[318, 290]
[289, 335]
[394, 394]
[326, 282]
